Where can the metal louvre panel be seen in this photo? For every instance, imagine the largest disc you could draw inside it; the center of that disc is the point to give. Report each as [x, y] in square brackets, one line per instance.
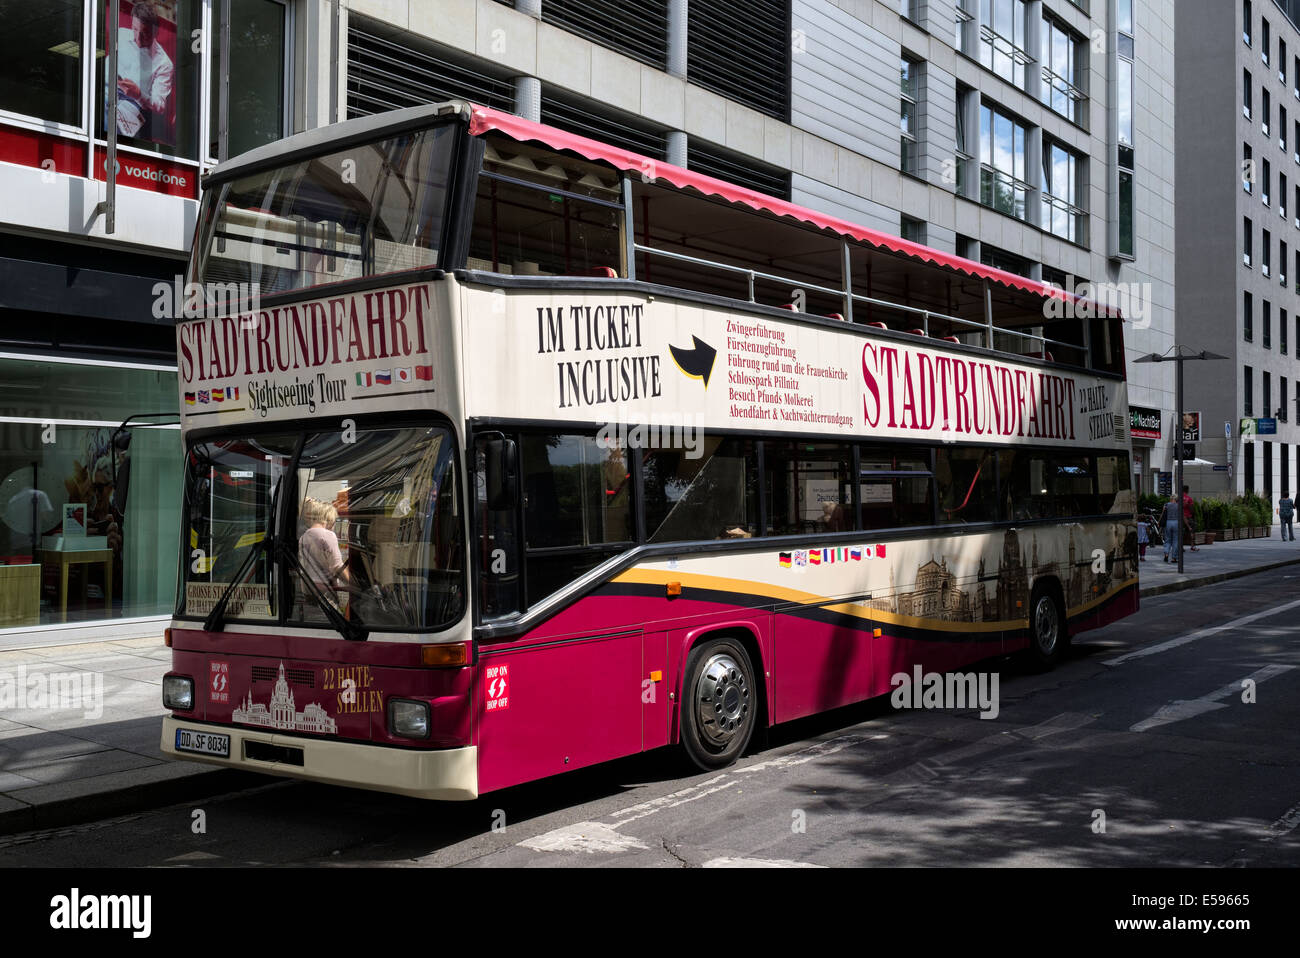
[734, 168]
[639, 29]
[741, 49]
[386, 73]
[622, 131]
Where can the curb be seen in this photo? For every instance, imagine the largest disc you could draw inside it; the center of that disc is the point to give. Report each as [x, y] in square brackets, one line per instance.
[1212, 579]
[122, 801]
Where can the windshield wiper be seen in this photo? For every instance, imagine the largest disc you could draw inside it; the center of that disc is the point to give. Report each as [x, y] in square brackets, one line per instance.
[352, 631]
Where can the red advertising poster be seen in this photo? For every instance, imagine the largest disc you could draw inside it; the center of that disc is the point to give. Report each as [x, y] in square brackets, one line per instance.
[146, 57]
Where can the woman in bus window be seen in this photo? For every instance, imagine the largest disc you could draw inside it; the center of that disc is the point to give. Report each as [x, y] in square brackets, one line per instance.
[318, 547]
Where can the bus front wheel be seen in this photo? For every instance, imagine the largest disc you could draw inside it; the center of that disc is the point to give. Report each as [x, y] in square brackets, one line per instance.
[719, 704]
[1048, 637]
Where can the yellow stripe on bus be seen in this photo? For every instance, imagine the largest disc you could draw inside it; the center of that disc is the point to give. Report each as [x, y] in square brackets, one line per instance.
[248, 538]
[750, 587]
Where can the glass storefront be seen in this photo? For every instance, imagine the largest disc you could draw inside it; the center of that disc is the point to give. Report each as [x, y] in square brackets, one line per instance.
[40, 59]
[89, 512]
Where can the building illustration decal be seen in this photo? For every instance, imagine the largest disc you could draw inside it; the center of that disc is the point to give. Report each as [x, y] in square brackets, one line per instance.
[940, 593]
[282, 712]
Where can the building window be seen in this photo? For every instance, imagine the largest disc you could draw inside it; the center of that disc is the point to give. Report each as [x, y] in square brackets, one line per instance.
[1248, 317]
[912, 230]
[907, 10]
[1001, 259]
[1247, 167]
[83, 465]
[40, 60]
[1281, 60]
[1281, 331]
[1268, 176]
[1249, 385]
[1281, 262]
[1267, 103]
[1064, 67]
[1123, 232]
[1263, 40]
[739, 49]
[1002, 163]
[1248, 251]
[1266, 321]
[963, 146]
[1266, 252]
[1245, 94]
[1245, 21]
[155, 95]
[909, 91]
[1063, 192]
[1281, 195]
[1281, 127]
[1003, 27]
[1266, 406]
[256, 102]
[961, 39]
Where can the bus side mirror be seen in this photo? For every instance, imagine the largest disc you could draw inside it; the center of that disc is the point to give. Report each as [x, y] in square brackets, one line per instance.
[501, 461]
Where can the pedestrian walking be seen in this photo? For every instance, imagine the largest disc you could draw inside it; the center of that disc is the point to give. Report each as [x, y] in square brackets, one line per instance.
[1144, 538]
[1187, 519]
[1171, 516]
[1285, 512]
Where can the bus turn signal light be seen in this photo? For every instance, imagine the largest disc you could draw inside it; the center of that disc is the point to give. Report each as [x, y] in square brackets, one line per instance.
[452, 654]
[167, 638]
[674, 588]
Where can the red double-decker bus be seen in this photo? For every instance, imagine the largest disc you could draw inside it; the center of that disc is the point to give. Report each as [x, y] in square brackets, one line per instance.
[533, 453]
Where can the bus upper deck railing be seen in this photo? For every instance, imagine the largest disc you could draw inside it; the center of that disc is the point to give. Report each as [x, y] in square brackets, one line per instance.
[990, 336]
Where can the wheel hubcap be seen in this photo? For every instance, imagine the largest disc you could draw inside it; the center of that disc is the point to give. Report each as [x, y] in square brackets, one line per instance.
[722, 700]
[1045, 625]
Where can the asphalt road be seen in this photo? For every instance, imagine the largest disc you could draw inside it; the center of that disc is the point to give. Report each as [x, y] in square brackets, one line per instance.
[1137, 751]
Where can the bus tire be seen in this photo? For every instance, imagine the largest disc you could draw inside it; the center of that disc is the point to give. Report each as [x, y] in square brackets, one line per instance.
[719, 703]
[1048, 634]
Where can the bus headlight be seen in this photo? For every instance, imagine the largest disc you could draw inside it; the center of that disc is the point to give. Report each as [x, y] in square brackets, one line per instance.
[178, 693]
[409, 719]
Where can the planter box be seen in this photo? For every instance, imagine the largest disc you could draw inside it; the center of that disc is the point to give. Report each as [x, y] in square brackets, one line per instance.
[1209, 538]
[1225, 535]
[1198, 538]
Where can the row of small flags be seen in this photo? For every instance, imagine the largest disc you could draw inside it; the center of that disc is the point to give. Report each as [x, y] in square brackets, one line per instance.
[386, 377]
[223, 394]
[806, 557]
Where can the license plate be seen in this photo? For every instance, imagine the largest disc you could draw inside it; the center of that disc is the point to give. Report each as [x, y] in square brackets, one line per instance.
[204, 743]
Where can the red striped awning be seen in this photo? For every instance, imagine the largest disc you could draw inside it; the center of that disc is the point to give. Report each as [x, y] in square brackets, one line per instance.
[486, 120]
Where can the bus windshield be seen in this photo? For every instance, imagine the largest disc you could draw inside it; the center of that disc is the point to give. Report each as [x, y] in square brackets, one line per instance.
[368, 520]
[372, 209]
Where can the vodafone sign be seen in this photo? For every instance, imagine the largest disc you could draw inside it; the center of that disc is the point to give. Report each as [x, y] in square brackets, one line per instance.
[156, 175]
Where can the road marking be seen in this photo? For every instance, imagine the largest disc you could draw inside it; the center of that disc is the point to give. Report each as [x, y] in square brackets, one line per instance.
[589, 837]
[604, 836]
[1182, 709]
[756, 863]
[1203, 634]
[829, 747]
[1286, 823]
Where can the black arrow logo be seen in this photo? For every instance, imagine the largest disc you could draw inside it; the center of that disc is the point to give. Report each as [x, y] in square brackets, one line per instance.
[696, 362]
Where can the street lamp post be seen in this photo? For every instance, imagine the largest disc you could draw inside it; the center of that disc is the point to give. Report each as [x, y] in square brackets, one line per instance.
[1181, 354]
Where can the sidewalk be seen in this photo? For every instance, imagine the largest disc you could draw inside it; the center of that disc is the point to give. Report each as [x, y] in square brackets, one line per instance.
[61, 766]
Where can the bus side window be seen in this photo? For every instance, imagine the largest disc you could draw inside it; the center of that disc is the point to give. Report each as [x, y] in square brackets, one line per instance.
[497, 541]
[704, 493]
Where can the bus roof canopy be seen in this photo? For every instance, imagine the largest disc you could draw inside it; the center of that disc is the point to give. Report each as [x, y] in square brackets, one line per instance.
[483, 120]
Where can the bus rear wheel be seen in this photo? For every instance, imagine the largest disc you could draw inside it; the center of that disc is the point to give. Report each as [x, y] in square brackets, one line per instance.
[718, 703]
[1048, 637]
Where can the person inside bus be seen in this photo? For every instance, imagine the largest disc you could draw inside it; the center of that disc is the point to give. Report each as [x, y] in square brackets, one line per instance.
[318, 547]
